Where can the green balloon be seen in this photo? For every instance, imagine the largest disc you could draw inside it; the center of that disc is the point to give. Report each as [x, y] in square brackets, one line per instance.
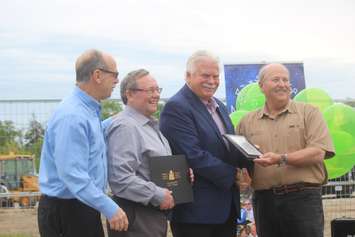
[340, 117]
[236, 116]
[250, 98]
[334, 171]
[314, 96]
[344, 159]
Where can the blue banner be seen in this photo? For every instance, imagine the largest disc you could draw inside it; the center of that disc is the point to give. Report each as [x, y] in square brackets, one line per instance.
[237, 76]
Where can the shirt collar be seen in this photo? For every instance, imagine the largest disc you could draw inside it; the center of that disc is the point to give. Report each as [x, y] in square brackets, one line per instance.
[139, 117]
[211, 103]
[88, 100]
[290, 108]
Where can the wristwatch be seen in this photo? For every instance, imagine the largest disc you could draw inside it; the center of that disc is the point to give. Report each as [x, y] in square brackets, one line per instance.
[283, 159]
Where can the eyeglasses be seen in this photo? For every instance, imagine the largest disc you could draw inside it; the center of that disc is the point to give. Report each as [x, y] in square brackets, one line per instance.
[115, 74]
[149, 91]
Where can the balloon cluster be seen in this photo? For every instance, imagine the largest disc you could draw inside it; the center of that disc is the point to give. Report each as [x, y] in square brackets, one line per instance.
[339, 117]
[248, 99]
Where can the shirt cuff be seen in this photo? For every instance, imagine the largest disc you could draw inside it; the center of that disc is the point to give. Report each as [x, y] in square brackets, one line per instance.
[158, 197]
[109, 209]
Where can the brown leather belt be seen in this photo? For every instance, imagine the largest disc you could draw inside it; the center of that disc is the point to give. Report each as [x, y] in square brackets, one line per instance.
[291, 188]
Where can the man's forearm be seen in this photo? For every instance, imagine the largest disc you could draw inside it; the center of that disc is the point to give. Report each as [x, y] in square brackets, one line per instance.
[305, 157]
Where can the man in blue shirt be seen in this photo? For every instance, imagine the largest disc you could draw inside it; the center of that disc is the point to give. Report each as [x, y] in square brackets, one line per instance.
[73, 170]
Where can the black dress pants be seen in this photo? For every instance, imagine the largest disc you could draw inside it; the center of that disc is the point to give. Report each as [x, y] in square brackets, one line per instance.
[67, 218]
[293, 214]
[226, 229]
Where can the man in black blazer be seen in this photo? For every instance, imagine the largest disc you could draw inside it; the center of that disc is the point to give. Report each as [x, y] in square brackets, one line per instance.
[193, 121]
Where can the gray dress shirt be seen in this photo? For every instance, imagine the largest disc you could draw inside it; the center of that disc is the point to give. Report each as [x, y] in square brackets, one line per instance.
[132, 138]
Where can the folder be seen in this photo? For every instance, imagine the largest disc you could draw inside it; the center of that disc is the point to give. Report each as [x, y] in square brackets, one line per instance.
[172, 172]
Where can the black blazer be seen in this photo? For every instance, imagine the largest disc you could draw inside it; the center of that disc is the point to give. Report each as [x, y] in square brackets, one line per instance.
[191, 130]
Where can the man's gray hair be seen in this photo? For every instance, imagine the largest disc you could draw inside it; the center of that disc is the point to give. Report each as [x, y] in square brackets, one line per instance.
[264, 69]
[196, 57]
[87, 63]
[130, 82]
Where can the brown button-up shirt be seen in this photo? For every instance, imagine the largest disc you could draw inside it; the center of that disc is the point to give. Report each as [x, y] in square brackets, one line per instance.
[297, 127]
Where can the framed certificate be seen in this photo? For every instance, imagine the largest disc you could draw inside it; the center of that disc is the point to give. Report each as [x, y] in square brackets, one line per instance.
[172, 172]
[243, 145]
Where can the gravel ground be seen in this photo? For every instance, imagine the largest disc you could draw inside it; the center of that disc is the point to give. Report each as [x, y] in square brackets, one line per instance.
[24, 221]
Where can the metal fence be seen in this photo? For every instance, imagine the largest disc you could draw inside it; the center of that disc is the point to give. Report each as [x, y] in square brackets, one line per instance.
[21, 112]
[338, 194]
[19, 199]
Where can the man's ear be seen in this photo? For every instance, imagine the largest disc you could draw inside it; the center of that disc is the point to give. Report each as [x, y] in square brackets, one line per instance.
[129, 93]
[96, 76]
[261, 84]
[187, 76]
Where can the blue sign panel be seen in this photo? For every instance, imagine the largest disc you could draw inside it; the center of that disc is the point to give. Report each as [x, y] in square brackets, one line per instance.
[237, 76]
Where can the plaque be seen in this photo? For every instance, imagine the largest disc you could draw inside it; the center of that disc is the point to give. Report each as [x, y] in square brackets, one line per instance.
[243, 145]
[172, 172]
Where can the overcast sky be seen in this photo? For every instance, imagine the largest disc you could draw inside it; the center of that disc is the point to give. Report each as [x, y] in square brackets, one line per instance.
[40, 40]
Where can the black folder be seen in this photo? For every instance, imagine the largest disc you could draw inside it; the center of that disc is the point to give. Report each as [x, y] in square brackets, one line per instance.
[172, 172]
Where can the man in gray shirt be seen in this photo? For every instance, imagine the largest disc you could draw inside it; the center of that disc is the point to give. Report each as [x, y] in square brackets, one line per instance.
[133, 136]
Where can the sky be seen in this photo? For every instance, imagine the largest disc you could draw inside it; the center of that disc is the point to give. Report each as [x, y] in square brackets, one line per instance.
[40, 40]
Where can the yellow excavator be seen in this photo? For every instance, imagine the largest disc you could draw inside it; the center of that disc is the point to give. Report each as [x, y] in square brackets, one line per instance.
[18, 177]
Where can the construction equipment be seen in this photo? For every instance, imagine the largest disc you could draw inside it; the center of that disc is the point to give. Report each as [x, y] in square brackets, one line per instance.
[18, 174]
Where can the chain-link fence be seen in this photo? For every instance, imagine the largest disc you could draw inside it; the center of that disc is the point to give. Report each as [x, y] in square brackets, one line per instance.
[338, 194]
[19, 199]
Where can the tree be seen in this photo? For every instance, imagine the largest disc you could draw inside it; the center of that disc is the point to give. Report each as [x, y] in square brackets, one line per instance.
[110, 108]
[34, 139]
[10, 137]
[350, 103]
[160, 108]
[34, 133]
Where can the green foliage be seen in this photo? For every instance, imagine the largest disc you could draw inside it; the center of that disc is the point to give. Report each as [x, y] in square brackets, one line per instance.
[160, 108]
[12, 140]
[10, 137]
[110, 108]
[34, 133]
[34, 139]
[350, 103]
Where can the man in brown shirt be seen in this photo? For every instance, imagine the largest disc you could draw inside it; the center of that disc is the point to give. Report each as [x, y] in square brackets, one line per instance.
[287, 178]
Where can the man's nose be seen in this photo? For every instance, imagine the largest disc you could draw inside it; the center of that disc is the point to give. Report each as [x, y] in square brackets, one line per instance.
[156, 93]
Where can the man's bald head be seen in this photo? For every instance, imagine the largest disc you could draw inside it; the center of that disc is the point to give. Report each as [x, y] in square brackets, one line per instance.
[270, 68]
[89, 61]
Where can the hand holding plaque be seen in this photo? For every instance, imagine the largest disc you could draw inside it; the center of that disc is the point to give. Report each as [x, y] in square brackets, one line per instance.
[249, 150]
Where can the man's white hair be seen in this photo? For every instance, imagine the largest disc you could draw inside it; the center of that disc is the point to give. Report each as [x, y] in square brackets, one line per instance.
[196, 57]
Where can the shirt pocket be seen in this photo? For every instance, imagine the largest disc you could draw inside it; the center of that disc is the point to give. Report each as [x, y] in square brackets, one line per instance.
[295, 136]
[257, 137]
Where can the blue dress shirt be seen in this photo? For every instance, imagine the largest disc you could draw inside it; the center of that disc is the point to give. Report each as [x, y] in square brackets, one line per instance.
[73, 161]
